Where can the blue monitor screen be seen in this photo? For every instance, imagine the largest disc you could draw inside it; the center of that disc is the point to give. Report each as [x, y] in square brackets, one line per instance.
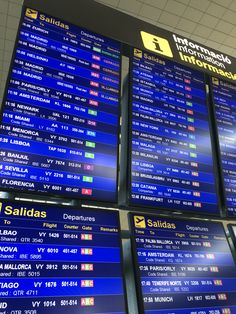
[170, 144]
[59, 132]
[224, 96]
[57, 260]
[183, 266]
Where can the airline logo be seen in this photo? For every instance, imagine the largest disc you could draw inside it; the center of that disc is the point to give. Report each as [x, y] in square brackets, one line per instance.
[31, 13]
[139, 222]
[207, 244]
[86, 251]
[87, 283]
[86, 236]
[86, 267]
[218, 283]
[156, 44]
[87, 302]
[214, 269]
[222, 297]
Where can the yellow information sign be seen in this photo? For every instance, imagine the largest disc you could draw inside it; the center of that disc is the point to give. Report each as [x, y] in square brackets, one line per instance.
[156, 44]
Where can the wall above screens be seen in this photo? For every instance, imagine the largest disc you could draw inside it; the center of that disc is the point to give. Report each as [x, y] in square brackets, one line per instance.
[182, 266]
[60, 260]
[60, 123]
[224, 99]
[170, 153]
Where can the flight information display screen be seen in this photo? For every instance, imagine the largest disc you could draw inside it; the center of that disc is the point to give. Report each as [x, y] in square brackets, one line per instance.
[59, 260]
[183, 266]
[59, 132]
[224, 97]
[171, 164]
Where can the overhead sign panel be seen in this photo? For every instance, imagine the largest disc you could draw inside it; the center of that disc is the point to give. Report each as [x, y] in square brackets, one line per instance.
[191, 53]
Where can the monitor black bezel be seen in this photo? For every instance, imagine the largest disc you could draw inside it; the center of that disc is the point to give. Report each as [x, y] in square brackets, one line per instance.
[114, 211]
[232, 234]
[153, 208]
[85, 200]
[134, 248]
[218, 151]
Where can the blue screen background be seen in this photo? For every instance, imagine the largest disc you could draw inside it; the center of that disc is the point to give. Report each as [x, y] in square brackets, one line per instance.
[59, 130]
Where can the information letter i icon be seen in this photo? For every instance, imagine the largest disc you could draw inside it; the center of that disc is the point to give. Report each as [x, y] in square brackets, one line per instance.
[157, 45]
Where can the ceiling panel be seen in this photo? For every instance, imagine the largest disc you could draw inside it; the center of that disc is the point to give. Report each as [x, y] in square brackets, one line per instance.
[193, 14]
[202, 31]
[160, 4]
[169, 19]
[215, 10]
[175, 7]
[200, 4]
[150, 12]
[212, 22]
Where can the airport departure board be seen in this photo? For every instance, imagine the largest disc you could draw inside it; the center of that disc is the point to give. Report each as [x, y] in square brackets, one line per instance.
[59, 260]
[59, 133]
[224, 97]
[183, 266]
[171, 164]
